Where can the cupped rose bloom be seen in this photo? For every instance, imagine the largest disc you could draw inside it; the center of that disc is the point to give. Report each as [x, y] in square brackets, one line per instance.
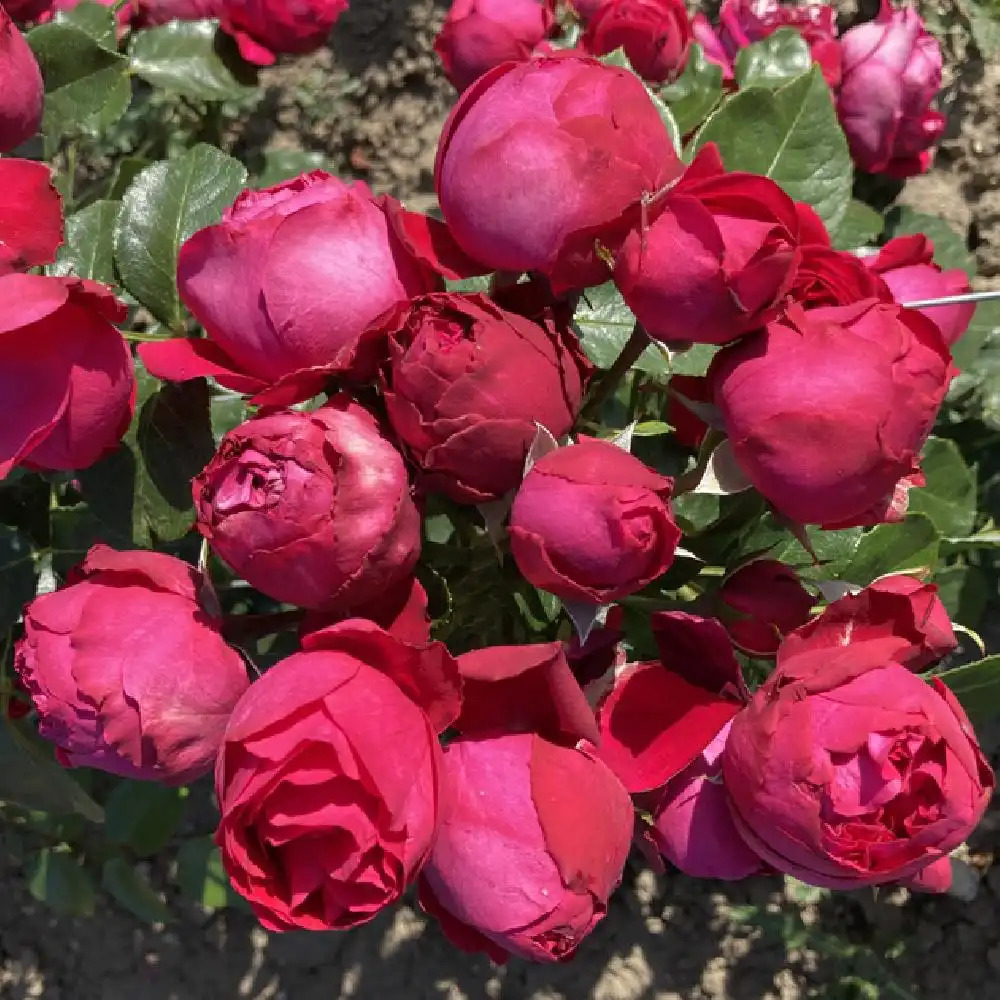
[21, 87]
[480, 34]
[718, 257]
[592, 524]
[827, 409]
[510, 872]
[906, 265]
[66, 376]
[743, 22]
[286, 286]
[762, 602]
[828, 277]
[265, 29]
[31, 224]
[655, 34]
[311, 508]
[128, 670]
[542, 161]
[467, 385]
[891, 75]
[328, 780]
[847, 769]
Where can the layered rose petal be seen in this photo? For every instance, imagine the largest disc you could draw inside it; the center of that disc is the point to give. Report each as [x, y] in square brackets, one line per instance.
[21, 88]
[30, 215]
[264, 29]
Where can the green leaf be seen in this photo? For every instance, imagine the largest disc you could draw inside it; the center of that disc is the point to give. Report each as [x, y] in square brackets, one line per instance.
[984, 327]
[773, 61]
[130, 889]
[964, 591]
[60, 881]
[201, 877]
[861, 226]
[143, 815]
[126, 171]
[30, 777]
[163, 207]
[905, 546]
[604, 323]
[790, 135]
[284, 164]
[949, 498]
[86, 85]
[17, 576]
[696, 92]
[950, 250]
[183, 57]
[977, 687]
[87, 251]
[143, 490]
[93, 19]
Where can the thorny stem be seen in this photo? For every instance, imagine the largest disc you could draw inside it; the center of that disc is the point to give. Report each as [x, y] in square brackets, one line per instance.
[608, 382]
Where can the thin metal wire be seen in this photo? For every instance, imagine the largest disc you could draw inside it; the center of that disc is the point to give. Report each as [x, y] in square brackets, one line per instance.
[953, 300]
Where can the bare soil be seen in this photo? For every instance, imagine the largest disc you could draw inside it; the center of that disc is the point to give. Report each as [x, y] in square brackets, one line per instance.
[373, 104]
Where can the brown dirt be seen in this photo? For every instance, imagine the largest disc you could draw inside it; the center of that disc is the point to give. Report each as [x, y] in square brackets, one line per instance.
[373, 104]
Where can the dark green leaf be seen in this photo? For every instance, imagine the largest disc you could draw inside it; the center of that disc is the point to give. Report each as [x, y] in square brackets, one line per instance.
[695, 92]
[74, 531]
[950, 250]
[908, 545]
[60, 881]
[983, 328]
[861, 226]
[163, 207]
[184, 58]
[143, 815]
[201, 877]
[17, 576]
[773, 61]
[790, 135]
[949, 498]
[30, 777]
[87, 251]
[133, 892]
[227, 412]
[93, 19]
[977, 687]
[126, 171]
[964, 591]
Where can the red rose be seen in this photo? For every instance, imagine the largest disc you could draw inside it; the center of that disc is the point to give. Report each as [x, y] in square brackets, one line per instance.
[31, 224]
[468, 383]
[906, 265]
[66, 375]
[828, 409]
[149, 13]
[828, 277]
[847, 769]
[311, 508]
[27, 10]
[579, 144]
[591, 523]
[655, 34]
[264, 29]
[21, 87]
[510, 872]
[329, 775]
[718, 257]
[480, 34]
[127, 668]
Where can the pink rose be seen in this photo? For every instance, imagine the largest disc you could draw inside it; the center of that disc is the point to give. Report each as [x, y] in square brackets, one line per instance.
[66, 375]
[510, 872]
[891, 74]
[591, 523]
[128, 670]
[31, 223]
[579, 144]
[264, 29]
[480, 34]
[21, 87]
[827, 409]
[311, 508]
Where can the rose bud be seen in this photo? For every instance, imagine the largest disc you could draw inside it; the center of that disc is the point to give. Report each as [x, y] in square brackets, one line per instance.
[891, 74]
[311, 508]
[895, 605]
[149, 13]
[128, 670]
[21, 87]
[580, 144]
[743, 22]
[264, 29]
[66, 375]
[329, 774]
[591, 523]
[480, 34]
[717, 259]
[31, 224]
[287, 285]
[510, 873]
[467, 385]
[763, 601]
[655, 34]
[829, 444]
[847, 769]
[906, 265]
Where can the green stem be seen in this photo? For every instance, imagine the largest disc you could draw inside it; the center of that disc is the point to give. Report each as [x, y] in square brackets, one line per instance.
[606, 384]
